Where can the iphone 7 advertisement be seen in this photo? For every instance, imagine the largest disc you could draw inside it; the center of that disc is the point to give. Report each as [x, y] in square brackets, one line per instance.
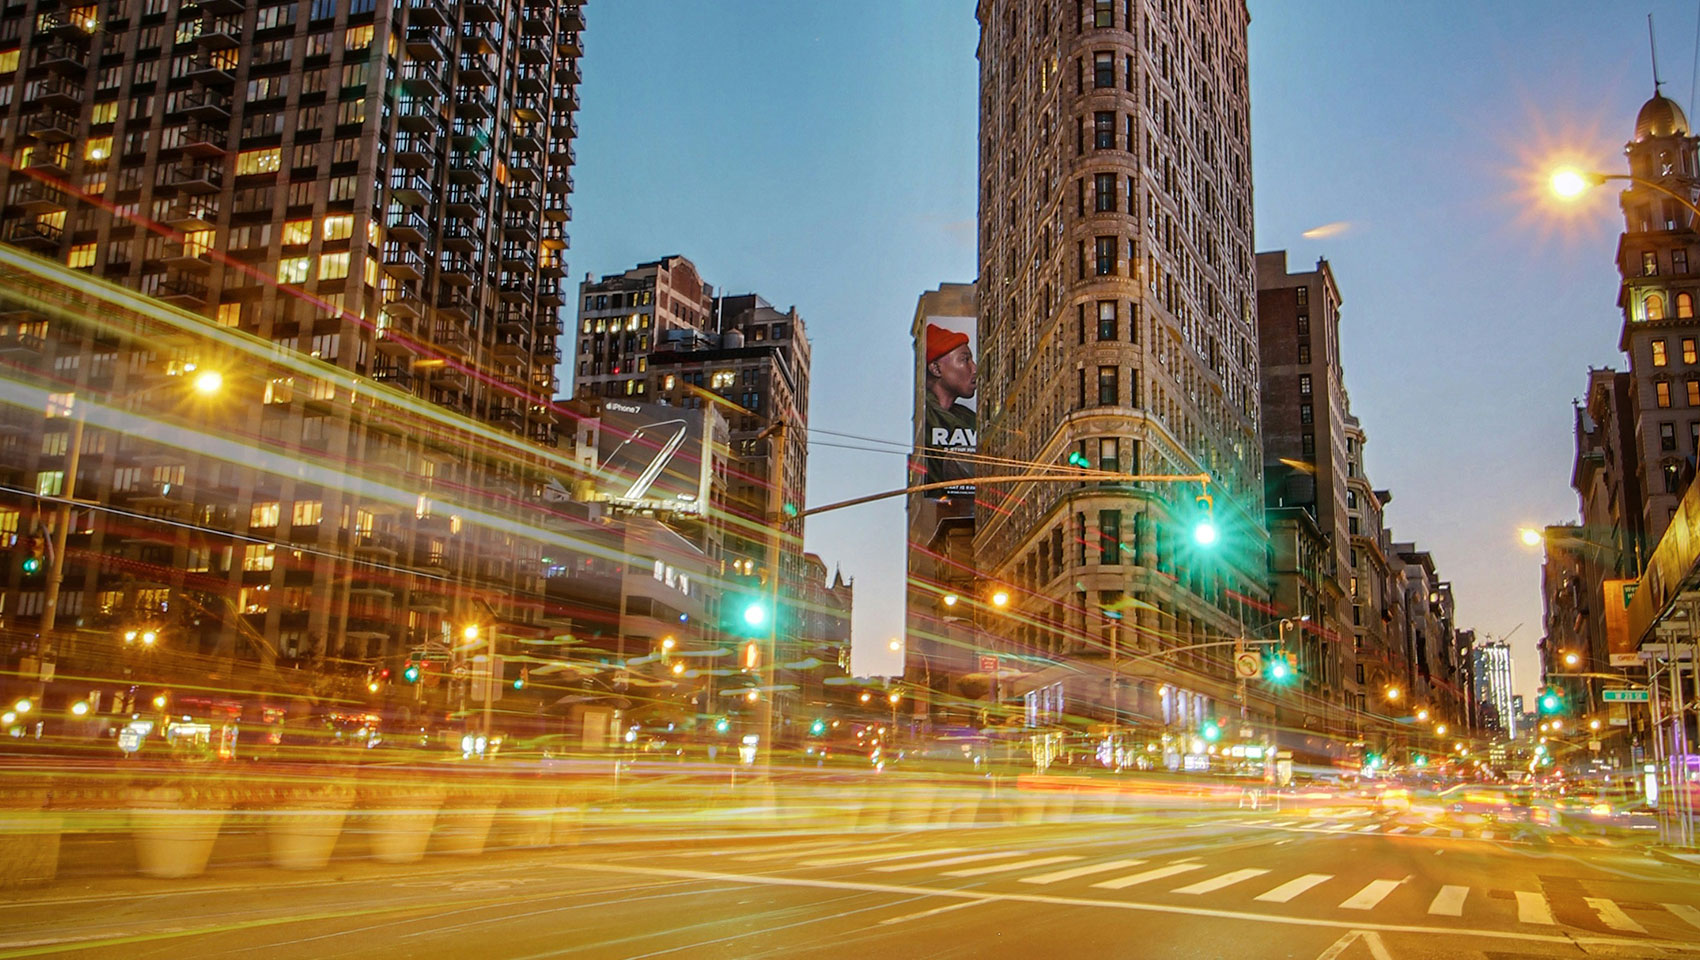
[652, 457]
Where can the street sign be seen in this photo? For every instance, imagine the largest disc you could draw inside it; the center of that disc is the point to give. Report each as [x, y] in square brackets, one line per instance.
[988, 664]
[1625, 660]
[1623, 696]
[1665, 651]
[1248, 664]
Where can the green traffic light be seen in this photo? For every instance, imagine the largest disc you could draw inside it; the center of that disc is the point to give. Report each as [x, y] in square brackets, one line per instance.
[519, 684]
[1420, 760]
[32, 564]
[411, 674]
[1204, 533]
[722, 725]
[818, 727]
[1078, 459]
[1551, 702]
[755, 614]
[1212, 732]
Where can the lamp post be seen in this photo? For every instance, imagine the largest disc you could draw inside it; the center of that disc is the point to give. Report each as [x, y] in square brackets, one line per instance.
[1569, 183]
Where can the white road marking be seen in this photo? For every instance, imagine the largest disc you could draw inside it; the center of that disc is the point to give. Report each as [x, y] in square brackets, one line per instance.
[1457, 833]
[1217, 883]
[1612, 915]
[1149, 875]
[1686, 912]
[1426, 832]
[1373, 893]
[1085, 871]
[1337, 827]
[1371, 939]
[1533, 908]
[1293, 888]
[1400, 829]
[1017, 865]
[931, 913]
[1449, 902]
[950, 861]
[1370, 829]
[876, 857]
[835, 848]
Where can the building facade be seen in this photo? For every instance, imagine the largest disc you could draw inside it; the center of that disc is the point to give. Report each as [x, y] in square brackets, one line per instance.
[1116, 303]
[1494, 686]
[403, 236]
[623, 317]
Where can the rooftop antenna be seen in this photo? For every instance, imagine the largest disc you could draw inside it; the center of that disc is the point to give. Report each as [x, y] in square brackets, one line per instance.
[1654, 49]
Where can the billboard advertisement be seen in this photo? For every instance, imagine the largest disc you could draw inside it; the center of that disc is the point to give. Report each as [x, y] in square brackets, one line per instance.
[950, 425]
[1620, 646]
[653, 457]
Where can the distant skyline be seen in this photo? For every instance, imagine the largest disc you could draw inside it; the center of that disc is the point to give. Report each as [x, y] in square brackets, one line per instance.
[824, 155]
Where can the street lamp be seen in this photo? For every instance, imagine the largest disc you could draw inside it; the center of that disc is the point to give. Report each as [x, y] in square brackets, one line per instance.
[1569, 183]
[1422, 715]
[1393, 694]
[1000, 598]
[1440, 730]
[208, 382]
[1571, 659]
[1531, 537]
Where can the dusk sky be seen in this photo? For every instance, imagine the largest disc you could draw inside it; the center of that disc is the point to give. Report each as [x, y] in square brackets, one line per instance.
[823, 155]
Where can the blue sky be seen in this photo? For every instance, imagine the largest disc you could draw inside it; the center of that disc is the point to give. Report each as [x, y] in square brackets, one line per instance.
[823, 155]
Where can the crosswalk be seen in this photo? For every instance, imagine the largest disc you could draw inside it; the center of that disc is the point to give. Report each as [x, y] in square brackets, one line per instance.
[1229, 886]
[1421, 829]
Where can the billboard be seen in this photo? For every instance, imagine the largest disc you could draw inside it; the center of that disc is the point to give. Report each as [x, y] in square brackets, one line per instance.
[653, 457]
[1620, 646]
[950, 424]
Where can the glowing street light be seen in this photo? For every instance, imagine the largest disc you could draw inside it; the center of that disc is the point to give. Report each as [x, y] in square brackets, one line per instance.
[80, 708]
[208, 382]
[895, 645]
[1571, 659]
[1568, 183]
[950, 599]
[148, 638]
[1593, 724]
[1000, 598]
[893, 697]
[1531, 537]
[1440, 730]
[667, 643]
[678, 669]
[1393, 694]
[752, 696]
[159, 701]
[470, 632]
[866, 696]
[23, 705]
[1422, 715]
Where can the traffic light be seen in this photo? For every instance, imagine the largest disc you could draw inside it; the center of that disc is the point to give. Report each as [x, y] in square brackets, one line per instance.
[33, 562]
[817, 728]
[751, 657]
[1419, 760]
[1283, 668]
[1078, 459]
[410, 672]
[755, 613]
[1552, 700]
[1204, 531]
[1212, 731]
[523, 678]
[722, 725]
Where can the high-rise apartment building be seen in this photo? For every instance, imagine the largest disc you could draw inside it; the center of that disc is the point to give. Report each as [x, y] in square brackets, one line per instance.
[376, 185]
[1117, 306]
[624, 316]
[1493, 685]
[1660, 329]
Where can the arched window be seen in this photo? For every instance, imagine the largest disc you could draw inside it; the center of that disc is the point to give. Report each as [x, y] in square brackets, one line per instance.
[1685, 305]
[1654, 307]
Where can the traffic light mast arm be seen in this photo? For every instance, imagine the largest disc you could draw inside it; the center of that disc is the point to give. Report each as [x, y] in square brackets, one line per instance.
[1202, 646]
[1067, 476]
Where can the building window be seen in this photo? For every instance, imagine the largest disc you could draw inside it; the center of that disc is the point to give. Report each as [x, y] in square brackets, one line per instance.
[1673, 477]
[1661, 390]
[1304, 384]
[1304, 353]
[1649, 264]
[1106, 254]
[1304, 297]
[1307, 445]
[1104, 130]
[1659, 357]
[1103, 13]
[1110, 536]
[1104, 193]
[259, 556]
[1108, 386]
[263, 514]
[1685, 306]
[1679, 261]
[1080, 539]
[1667, 437]
[1106, 319]
[1109, 454]
[1103, 69]
[307, 513]
[1307, 414]
[1688, 350]
[1653, 308]
[1693, 392]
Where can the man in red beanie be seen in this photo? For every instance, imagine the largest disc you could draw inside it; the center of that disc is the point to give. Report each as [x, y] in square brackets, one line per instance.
[951, 424]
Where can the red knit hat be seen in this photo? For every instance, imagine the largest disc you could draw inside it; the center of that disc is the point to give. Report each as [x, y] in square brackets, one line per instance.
[941, 341]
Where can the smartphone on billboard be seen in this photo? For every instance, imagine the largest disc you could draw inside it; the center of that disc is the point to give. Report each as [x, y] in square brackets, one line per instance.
[665, 437]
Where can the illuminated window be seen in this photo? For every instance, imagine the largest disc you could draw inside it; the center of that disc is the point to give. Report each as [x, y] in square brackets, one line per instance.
[106, 112]
[1659, 353]
[81, 255]
[1649, 264]
[1694, 393]
[339, 227]
[357, 37]
[259, 556]
[264, 514]
[669, 382]
[1662, 390]
[60, 404]
[297, 231]
[197, 242]
[307, 513]
[1653, 308]
[294, 269]
[1685, 305]
[229, 314]
[255, 599]
[723, 379]
[99, 148]
[333, 266]
[1688, 350]
[8, 61]
[50, 483]
[280, 390]
[268, 160]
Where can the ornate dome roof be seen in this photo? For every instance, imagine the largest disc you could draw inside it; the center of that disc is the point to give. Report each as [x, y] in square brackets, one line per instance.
[1660, 117]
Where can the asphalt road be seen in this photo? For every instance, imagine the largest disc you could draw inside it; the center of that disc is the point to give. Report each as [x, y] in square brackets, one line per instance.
[1243, 885]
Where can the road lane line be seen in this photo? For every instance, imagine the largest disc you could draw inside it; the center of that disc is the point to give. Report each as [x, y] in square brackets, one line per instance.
[1085, 871]
[1149, 875]
[1293, 888]
[836, 848]
[1017, 865]
[1686, 912]
[1400, 829]
[1373, 893]
[876, 857]
[931, 913]
[1449, 902]
[1612, 915]
[1426, 832]
[950, 861]
[1370, 829]
[1533, 908]
[1217, 883]
[1338, 827]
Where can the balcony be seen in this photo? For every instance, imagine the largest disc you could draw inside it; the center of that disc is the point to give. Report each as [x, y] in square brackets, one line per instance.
[51, 160]
[408, 226]
[472, 169]
[465, 203]
[511, 349]
[549, 326]
[187, 292]
[207, 104]
[428, 13]
[53, 126]
[55, 90]
[513, 321]
[533, 49]
[534, 82]
[220, 33]
[482, 11]
[192, 213]
[477, 38]
[516, 259]
[224, 7]
[473, 104]
[454, 302]
[572, 18]
[422, 78]
[425, 43]
[457, 271]
[394, 376]
[74, 29]
[557, 207]
[395, 342]
[549, 293]
[185, 258]
[205, 140]
[471, 134]
[460, 237]
[530, 108]
[416, 150]
[406, 304]
[555, 234]
[523, 168]
[38, 197]
[515, 290]
[35, 235]
[376, 541]
[568, 44]
[524, 199]
[409, 188]
[62, 57]
[197, 177]
[417, 115]
[15, 344]
[519, 228]
[404, 262]
[212, 70]
[474, 73]
[565, 97]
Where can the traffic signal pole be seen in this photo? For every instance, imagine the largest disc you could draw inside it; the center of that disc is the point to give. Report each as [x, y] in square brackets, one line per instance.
[61, 529]
[775, 533]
